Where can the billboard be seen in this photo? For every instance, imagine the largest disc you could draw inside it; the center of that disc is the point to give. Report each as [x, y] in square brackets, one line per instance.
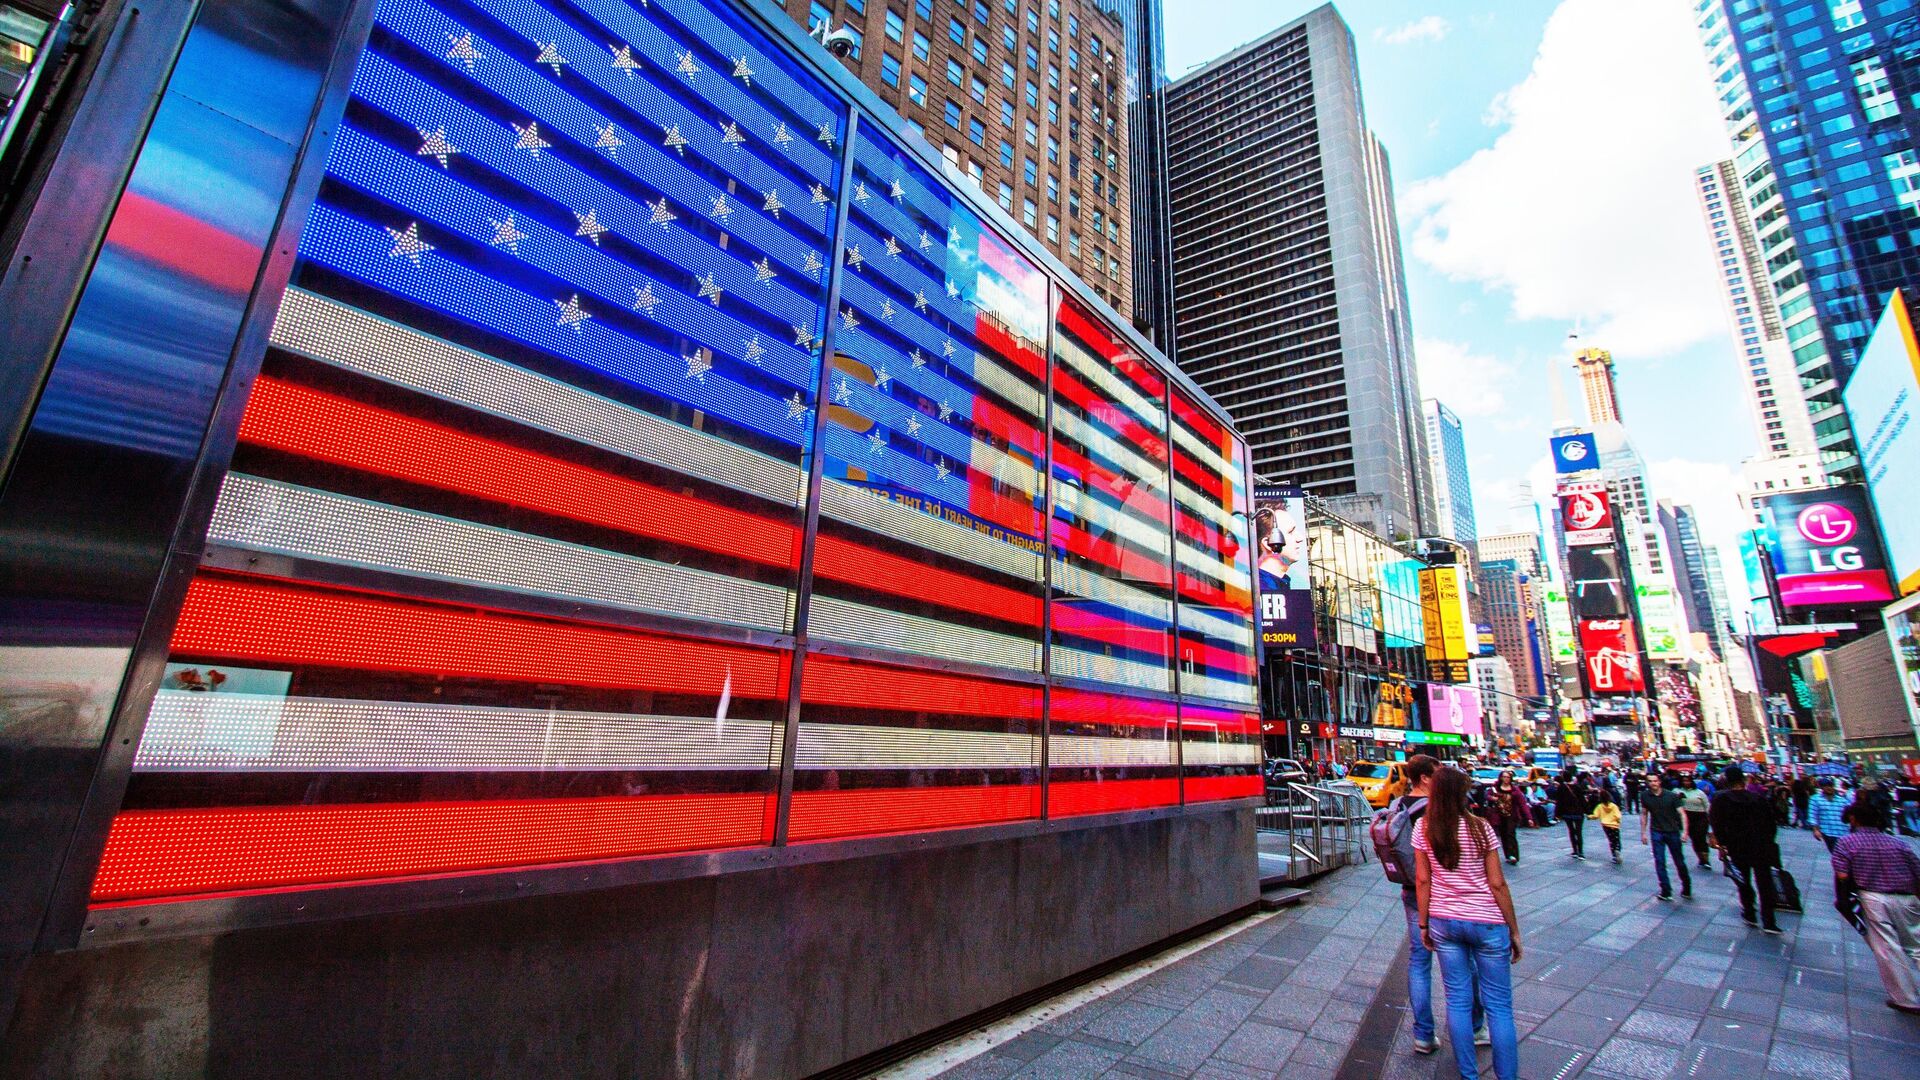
[1400, 614]
[1280, 546]
[1883, 398]
[1442, 608]
[1613, 661]
[1825, 550]
[1759, 597]
[1559, 627]
[1586, 515]
[1596, 584]
[1575, 453]
[1454, 710]
[1660, 622]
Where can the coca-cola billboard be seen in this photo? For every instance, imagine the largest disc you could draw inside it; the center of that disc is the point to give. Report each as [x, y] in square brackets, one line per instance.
[1612, 659]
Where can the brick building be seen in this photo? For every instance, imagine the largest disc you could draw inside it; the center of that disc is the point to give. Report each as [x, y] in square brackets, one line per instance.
[1040, 103]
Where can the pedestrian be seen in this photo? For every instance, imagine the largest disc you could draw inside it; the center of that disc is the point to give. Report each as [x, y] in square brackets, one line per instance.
[1876, 793]
[1802, 791]
[1634, 783]
[1827, 810]
[1571, 802]
[1663, 821]
[1910, 807]
[1743, 829]
[1466, 916]
[1607, 813]
[1883, 872]
[1408, 810]
[1506, 807]
[1694, 802]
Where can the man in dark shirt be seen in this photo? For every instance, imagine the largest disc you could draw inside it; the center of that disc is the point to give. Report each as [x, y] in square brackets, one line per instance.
[1664, 822]
[1743, 825]
[1884, 872]
[1571, 801]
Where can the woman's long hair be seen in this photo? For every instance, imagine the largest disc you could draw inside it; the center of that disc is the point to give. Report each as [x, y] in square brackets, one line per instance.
[1446, 807]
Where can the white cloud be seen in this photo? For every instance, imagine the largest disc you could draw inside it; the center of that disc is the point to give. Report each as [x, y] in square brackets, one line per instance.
[1467, 382]
[1712, 489]
[1583, 208]
[1428, 28]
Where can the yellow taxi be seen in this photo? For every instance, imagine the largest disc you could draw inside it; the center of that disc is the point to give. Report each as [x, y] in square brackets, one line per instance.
[1380, 781]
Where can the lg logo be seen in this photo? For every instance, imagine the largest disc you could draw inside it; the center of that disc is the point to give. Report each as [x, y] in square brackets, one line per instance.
[1827, 524]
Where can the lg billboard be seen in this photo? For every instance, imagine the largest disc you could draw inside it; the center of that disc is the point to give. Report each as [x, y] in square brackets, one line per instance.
[1825, 549]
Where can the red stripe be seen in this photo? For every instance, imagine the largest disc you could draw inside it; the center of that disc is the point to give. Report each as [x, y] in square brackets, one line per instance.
[832, 680]
[1071, 619]
[1224, 720]
[286, 416]
[1214, 788]
[842, 560]
[1075, 797]
[166, 853]
[818, 815]
[182, 242]
[1131, 565]
[1072, 706]
[286, 624]
[1109, 345]
[1003, 344]
[1119, 420]
[1070, 462]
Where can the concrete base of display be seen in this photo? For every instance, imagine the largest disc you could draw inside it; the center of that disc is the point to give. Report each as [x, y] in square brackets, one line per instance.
[775, 973]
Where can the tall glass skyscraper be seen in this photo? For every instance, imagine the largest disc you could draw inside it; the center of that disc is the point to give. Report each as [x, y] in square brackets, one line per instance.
[1824, 90]
[1452, 490]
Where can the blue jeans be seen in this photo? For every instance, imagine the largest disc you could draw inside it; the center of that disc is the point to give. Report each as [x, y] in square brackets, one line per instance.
[1663, 842]
[1476, 956]
[1420, 978]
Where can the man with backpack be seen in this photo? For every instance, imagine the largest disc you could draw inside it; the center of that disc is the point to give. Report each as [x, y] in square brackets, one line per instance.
[1392, 833]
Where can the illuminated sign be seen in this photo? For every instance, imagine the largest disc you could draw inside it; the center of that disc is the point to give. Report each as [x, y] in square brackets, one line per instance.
[1280, 543]
[1612, 659]
[1825, 550]
[1596, 583]
[1442, 608]
[1455, 709]
[1435, 738]
[1575, 453]
[1586, 515]
[1883, 399]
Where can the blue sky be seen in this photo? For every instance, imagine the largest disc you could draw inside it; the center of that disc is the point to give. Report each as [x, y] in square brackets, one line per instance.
[1543, 159]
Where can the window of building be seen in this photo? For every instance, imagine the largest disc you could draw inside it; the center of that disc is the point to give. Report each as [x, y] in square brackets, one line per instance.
[1032, 171]
[976, 173]
[1033, 58]
[979, 91]
[1877, 99]
[1053, 150]
[1073, 203]
[1006, 197]
[957, 30]
[921, 46]
[1903, 175]
[1033, 95]
[977, 132]
[953, 114]
[1847, 15]
[1053, 9]
[955, 73]
[923, 8]
[1033, 133]
[1073, 26]
[917, 90]
[1053, 76]
[896, 26]
[1033, 20]
[1053, 188]
[1053, 229]
[859, 6]
[980, 11]
[917, 128]
[1006, 153]
[818, 15]
[889, 69]
[1006, 115]
[858, 40]
[980, 49]
[1006, 74]
[1053, 39]
[1073, 242]
[1073, 59]
[1029, 213]
[1053, 113]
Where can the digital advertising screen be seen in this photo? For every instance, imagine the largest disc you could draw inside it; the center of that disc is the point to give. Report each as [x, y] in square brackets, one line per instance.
[1883, 399]
[1454, 710]
[1586, 515]
[1596, 585]
[1612, 658]
[1825, 549]
[1575, 453]
[1280, 560]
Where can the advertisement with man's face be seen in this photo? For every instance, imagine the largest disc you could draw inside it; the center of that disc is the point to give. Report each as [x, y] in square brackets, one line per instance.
[1280, 560]
[1825, 550]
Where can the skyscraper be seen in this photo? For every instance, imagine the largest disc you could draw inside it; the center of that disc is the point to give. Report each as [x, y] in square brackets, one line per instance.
[1595, 367]
[1778, 407]
[1452, 490]
[1845, 158]
[1289, 291]
[1692, 571]
[1052, 108]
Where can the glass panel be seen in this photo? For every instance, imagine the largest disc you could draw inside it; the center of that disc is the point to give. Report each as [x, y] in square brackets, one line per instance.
[1214, 577]
[550, 350]
[931, 504]
[1112, 604]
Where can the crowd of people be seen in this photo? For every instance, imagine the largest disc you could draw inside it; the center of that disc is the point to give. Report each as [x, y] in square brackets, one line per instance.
[1447, 840]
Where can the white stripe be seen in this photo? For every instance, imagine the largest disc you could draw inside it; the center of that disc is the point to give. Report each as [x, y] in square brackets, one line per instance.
[1009, 386]
[192, 732]
[1151, 415]
[266, 515]
[1240, 691]
[1104, 517]
[1199, 505]
[1070, 751]
[1205, 562]
[1208, 455]
[331, 332]
[861, 746]
[1204, 752]
[1080, 582]
[325, 330]
[1078, 664]
[844, 620]
[1101, 445]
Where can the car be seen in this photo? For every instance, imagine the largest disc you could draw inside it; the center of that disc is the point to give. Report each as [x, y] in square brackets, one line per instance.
[1487, 775]
[1380, 781]
[1283, 771]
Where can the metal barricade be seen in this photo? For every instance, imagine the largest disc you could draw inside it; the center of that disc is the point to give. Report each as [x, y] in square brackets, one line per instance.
[1308, 829]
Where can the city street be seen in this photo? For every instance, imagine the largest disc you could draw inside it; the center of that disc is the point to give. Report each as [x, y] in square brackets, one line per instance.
[1614, 984]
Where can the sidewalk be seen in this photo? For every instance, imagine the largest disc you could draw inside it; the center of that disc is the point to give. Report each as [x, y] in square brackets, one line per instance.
[1614, 985]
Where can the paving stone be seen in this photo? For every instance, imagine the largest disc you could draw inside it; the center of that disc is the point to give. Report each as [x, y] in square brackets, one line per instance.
[1825, 1025]
[1792, 1059]
[1258, 1044]
[1634, 1059]
[1601, 1003]
[1071, 1060]
[1296, 1007]
[1028, 1046]
[988, 1066]
[1257, 970]
[1130, 1022]
[1735, 1034]
[1313, 1052]
[1705, 1061]
[1662, 1027]
[1146, 1070]
[1581, 1029]
[1541, 1058]
[1183, 1043]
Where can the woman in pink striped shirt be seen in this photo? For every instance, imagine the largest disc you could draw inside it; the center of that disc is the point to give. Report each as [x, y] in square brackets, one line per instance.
[1467, 920]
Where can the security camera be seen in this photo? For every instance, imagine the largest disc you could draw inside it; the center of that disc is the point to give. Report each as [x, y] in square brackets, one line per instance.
[838, 42]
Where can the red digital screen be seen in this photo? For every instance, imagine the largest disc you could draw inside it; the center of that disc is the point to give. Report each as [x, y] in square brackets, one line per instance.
[1612, 658]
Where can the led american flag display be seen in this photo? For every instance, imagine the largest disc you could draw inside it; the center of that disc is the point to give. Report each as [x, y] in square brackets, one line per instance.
[514, 549]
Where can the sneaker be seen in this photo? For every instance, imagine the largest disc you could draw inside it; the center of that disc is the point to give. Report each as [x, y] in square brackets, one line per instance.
[1706, 866]
[1482, 1037]
[1616, 860]
[1665, 896]
[1428, 1046]
[1686, 894]
[1750, 920]
[1772, 930]
[1910, 1010]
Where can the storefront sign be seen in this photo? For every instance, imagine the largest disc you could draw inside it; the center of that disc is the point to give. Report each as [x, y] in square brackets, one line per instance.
[1348, 731]
[1389, 735]
[1435, 738]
